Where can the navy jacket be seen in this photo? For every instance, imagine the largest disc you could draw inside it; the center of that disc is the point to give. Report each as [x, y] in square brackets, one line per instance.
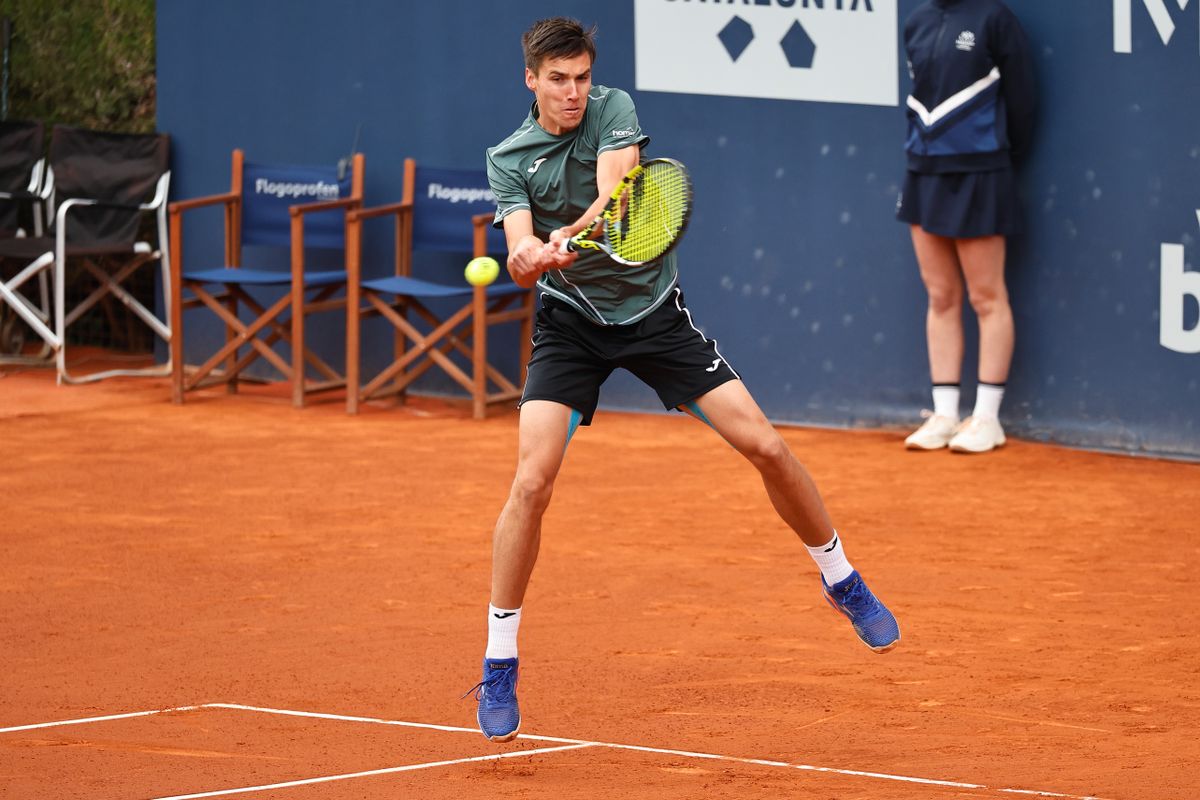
[971, 107]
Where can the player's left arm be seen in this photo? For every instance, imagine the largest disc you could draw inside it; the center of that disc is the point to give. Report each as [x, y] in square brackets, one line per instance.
[611, 167]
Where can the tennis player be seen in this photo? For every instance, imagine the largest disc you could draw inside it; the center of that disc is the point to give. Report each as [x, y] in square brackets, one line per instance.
[551, 177]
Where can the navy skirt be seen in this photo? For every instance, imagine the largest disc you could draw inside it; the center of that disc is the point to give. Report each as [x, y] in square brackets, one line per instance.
[961, 205]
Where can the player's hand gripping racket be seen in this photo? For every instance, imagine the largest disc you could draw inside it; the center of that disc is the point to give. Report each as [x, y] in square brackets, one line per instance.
[645, 216]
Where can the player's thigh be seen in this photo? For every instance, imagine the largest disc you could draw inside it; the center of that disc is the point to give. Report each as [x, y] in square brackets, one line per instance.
[542, 439]
[734, 414]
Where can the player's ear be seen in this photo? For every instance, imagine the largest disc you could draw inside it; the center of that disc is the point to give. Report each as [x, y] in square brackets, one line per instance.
[530, 79]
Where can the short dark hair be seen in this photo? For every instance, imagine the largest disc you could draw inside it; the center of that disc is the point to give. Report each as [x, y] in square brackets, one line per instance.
[558, 37]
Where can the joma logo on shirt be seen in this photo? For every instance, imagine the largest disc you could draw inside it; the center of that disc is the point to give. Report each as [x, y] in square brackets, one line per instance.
[622, 133]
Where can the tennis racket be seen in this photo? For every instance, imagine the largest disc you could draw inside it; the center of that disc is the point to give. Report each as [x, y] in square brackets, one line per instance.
[645, 216]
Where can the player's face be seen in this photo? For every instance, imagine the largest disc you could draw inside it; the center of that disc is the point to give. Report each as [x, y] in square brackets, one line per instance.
[561, 86]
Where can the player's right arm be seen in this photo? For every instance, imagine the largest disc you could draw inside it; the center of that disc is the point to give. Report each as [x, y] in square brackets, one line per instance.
[528, 257]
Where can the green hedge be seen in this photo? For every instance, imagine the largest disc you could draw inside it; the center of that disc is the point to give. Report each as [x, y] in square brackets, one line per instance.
[82, 62]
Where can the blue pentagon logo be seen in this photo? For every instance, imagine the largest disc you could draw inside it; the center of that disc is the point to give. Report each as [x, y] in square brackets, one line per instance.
[798, 47]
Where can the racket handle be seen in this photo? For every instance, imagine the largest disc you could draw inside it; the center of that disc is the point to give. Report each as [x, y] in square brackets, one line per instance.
[569, 245]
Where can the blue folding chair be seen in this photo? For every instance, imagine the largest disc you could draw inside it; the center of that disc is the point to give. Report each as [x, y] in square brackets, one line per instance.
[268, 205]
[441, 211]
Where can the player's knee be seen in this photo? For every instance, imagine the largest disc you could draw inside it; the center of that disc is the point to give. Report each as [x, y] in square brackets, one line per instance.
[769, 453]
[533, 488]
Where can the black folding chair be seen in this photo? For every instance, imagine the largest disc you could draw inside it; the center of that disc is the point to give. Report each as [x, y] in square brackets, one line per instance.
[22, 212]
[103, 184]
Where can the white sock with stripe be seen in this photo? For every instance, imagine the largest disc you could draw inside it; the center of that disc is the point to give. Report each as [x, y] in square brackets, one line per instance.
[831, 559]
[987, 400]
[945, 399]
[503, 624]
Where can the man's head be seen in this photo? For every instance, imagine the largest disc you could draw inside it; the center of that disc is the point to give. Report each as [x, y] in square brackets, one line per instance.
[559, 37]
[558, 70]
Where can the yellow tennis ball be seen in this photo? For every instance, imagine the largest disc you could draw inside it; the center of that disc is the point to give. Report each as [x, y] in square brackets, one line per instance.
[482, 271]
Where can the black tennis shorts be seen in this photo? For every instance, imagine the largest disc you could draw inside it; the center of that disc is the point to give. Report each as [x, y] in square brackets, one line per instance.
[573, 356]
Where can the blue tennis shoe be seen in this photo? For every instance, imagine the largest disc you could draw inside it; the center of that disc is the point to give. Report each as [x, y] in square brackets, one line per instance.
[499, 717]
[873, 623]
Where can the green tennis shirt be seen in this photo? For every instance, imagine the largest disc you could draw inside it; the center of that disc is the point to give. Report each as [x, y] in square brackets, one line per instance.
[555, 178]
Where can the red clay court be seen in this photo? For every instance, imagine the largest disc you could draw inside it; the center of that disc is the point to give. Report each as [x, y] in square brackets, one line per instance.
[232, 598]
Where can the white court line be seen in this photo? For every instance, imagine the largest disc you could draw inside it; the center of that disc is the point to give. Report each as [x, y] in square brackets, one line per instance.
[569, 744]
[368, 773]
[663, 751]
[83, 720]
[373, 720]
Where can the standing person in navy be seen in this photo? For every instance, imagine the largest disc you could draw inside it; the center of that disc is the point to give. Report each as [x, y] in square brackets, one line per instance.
[970, 115]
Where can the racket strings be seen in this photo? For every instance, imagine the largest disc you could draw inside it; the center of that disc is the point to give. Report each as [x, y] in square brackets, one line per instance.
[652, 213]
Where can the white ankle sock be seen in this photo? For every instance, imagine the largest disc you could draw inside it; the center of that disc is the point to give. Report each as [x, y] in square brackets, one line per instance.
[987, 400]
[503, 624]
[945, 399]
[831, 559]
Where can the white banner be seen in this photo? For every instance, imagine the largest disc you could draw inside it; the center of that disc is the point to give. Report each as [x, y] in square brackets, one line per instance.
[1159, 13]
[833, 51]
[1175, 285]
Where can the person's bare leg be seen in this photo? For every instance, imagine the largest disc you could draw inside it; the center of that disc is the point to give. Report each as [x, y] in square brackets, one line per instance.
[982, 262]
[542, 438]
[942, 276]
[735, 415]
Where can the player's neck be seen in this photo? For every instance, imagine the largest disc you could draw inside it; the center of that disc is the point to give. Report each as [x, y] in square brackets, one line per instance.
[548, 125]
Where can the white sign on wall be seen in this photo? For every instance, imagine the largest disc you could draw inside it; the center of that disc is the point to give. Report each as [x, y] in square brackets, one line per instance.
[1176, 286]
[833, 51]
[1160, 15]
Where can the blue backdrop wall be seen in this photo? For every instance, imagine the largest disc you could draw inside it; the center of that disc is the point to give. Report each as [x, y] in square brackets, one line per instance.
[794, 260]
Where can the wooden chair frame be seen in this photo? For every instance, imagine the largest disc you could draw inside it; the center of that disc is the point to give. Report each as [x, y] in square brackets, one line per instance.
[267, 320]
[464, 331]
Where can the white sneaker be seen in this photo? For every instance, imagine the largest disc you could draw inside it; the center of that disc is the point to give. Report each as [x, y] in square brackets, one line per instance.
[934, 434]
[978, 435]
